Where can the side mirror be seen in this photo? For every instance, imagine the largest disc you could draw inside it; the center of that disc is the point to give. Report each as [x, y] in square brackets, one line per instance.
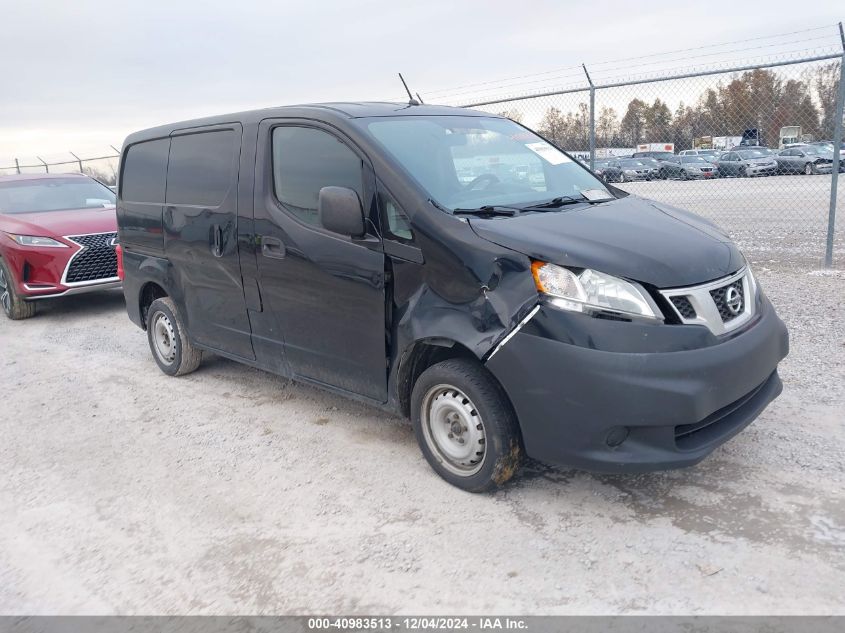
[340, 211]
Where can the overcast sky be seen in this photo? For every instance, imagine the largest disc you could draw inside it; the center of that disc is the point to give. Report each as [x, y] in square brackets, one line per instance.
[80, 75]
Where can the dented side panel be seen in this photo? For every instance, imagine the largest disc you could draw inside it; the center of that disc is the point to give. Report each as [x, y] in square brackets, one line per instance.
[468, 291]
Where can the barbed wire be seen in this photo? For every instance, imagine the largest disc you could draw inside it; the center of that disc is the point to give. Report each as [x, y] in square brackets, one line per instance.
[597, 70]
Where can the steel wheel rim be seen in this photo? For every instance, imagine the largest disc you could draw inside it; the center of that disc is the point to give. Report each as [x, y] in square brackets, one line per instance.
[808, 169]
[5, 293]
[453, 430]
[164, 338]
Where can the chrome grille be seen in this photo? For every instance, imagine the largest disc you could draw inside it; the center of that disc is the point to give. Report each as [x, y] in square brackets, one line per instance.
[729, 310]
[710, 304]
[96, 261]
[684, 307]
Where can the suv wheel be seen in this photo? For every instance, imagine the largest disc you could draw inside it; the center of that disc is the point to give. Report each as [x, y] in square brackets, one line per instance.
[621, 176]
[172, 351]
[465, 425]
[14, 306]
[809, 169]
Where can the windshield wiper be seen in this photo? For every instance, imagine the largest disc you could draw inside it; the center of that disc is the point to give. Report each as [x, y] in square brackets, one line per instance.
[489, 209]
[554, 203]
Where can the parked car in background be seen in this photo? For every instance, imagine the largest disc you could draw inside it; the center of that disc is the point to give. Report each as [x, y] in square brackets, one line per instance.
[692, 167]
[654, 155]
[57, 237]
[664, 159]
[806, 159]
[740, 163]
[706, 153]
[600, 168]
[631, 169]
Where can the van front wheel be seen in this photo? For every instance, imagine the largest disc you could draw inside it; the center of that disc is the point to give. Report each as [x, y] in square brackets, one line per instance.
[172, 351]
[465, 425]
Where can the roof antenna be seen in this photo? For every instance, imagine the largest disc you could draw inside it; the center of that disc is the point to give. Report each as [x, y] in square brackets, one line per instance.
[411, 100]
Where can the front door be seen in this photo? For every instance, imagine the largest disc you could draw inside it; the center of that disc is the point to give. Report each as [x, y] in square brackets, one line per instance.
[325, 291]
[200, 236]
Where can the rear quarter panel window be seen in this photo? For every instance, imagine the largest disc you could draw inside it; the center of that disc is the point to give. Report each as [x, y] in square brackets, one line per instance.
[145, 172]
[202, 168]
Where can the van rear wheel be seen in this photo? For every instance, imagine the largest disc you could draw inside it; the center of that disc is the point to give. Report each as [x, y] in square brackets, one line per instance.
[465, 425]
[172, 351]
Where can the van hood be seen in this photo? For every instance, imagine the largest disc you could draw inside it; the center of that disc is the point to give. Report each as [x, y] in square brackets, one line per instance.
[628, 237]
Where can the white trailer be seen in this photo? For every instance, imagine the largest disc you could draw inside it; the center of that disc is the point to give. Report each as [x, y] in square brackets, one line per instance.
[656, 147]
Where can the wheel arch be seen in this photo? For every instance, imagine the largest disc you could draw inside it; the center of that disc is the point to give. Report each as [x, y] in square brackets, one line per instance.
[418, 357]
[149, 292]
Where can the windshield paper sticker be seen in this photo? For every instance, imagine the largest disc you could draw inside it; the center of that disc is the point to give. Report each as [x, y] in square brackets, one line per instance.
[548, 153]
[594, 195]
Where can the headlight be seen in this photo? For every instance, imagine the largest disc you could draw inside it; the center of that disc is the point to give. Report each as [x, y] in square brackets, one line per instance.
[628, 171]
[35, 240]
[592, 290]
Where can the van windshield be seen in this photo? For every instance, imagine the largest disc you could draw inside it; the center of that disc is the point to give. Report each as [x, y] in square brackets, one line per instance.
[464, 161]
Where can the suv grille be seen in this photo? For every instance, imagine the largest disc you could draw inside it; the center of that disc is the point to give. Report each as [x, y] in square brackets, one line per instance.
[684, 307]
[720, 297]
[96, 261]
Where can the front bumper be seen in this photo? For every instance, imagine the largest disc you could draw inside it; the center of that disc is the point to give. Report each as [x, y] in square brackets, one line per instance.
[43, 292]
[43, 273]
[760, 171]
[624, 409]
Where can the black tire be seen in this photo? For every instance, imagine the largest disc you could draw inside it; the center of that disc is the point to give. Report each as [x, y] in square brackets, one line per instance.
[14, 306]
[684, 175]
[662, 174]
[809, 169]
[169, 344]
[621, 177]
[471, 390]
[741, 173]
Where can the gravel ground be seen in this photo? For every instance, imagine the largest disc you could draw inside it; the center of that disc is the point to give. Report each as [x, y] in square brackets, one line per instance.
[232, 491]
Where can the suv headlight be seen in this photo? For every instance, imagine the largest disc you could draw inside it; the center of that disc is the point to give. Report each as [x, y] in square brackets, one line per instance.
[35, 240]
[591, 290]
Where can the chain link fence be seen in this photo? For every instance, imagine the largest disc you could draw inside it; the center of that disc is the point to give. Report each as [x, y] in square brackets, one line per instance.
[754, 147]
[101, 164]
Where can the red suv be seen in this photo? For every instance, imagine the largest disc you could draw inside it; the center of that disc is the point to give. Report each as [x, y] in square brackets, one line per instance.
[57, 237]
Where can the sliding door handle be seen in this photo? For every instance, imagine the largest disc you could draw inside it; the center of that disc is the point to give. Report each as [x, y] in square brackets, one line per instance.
[217, 246]
[272, 247]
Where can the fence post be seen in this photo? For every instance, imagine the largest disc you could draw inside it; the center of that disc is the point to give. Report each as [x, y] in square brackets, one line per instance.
[17, 166]
[44, 162]
[837, 143]
[592, 119]
[78, 160]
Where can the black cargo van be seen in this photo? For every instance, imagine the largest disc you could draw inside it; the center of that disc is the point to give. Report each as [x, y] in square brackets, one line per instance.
[451, 266]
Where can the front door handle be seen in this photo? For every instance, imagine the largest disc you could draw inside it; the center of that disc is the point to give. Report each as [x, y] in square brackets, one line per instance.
[272, 247]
